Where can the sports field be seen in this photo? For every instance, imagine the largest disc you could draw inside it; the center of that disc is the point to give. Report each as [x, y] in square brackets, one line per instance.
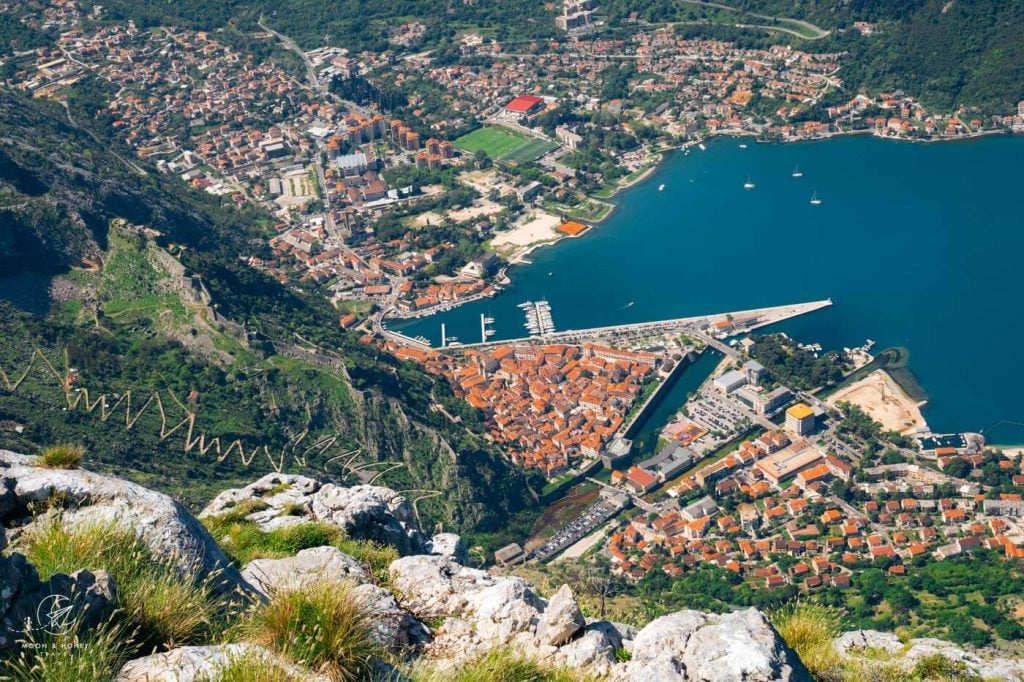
[503, 144]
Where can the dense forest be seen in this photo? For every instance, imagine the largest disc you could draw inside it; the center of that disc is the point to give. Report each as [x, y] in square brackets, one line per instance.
[122, 329]
[796, 367]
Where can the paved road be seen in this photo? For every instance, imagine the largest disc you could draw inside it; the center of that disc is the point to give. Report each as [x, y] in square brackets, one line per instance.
[314, 82]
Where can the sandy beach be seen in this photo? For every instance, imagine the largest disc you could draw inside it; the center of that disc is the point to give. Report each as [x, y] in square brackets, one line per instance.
[536, 226]
[883, 399]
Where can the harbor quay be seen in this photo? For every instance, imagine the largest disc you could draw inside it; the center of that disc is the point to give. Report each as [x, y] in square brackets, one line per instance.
[720, 325]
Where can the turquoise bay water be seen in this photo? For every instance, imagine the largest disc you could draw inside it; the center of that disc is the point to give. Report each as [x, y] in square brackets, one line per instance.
[918, 245]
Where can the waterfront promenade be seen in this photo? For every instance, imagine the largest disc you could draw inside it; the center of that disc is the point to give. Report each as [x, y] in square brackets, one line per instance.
[722, 324]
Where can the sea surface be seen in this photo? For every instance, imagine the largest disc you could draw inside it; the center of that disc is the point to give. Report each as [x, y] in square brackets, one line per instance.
[918, 245]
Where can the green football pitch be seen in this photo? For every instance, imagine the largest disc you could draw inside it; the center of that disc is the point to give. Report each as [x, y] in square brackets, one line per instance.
[502, 144]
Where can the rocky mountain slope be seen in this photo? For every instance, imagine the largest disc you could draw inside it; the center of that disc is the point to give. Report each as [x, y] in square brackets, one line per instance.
[164, 307]
[430, 615]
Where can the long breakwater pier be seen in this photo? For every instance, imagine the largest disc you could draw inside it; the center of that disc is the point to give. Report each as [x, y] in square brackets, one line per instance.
[709, 327]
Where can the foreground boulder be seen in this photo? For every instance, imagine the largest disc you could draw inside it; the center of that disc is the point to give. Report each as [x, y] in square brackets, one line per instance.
[203, 663]
[167, 528]
[363, 512]
[315, 565]
[689, 645]
[561, 619]
[870, 646]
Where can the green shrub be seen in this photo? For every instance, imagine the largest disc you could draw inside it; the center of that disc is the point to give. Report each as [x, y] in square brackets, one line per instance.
[62, 456]
[938, 668]
[321, 626]
[95, 656]
[163, 608]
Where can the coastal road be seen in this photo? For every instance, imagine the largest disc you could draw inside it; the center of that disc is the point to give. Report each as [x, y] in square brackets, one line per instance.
[815, 32]
[314, 82]
[290, 44]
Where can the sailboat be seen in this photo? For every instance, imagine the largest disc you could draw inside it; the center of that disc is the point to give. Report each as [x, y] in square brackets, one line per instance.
[797, 173]
[815, 200]
[749, 184]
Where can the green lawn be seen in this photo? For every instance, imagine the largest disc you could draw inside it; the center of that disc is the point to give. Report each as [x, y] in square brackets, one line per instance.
[503, 144]
[587, 210]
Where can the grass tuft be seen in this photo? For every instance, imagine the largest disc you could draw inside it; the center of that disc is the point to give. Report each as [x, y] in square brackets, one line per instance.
[321, 626]
[252, 668]
[243, 541]
[502, 664]
[91, 657]
[810, 630]
[164, 608]
[62, 456]
[374, 556]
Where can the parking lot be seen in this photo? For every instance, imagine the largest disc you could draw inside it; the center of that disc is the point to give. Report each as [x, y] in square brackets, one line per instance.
[582, 525]
[723, 418]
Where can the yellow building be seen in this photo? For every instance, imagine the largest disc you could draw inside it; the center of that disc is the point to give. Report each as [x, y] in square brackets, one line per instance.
[800, 419]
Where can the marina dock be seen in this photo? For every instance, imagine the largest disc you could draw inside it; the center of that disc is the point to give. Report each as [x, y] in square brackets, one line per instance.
[721, 325]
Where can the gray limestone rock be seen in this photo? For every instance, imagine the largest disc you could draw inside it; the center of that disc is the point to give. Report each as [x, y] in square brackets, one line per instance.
[984, 663]
[31, 607]
[498, 607]
[689, 645]
[561, 619]
[449, 545]
[394, 627]
[167, 528]
[364, 512]
[318, 564]
[203, 663]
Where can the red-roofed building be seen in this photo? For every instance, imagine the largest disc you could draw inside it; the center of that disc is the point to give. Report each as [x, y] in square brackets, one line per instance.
[525, 105]
[640, 481]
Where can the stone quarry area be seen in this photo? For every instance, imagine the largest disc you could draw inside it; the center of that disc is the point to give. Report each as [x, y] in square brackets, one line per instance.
[432, 615]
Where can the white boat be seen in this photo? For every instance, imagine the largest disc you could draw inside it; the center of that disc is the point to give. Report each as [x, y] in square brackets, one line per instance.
[797, 173]
[661, 188]
[702, 147]
[749, 184]
[743, 146]
[815, 200]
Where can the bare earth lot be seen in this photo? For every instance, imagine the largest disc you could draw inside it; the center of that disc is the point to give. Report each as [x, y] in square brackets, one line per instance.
[883, 399]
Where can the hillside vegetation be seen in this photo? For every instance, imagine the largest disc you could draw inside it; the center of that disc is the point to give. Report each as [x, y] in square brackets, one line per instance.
[948, 53]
